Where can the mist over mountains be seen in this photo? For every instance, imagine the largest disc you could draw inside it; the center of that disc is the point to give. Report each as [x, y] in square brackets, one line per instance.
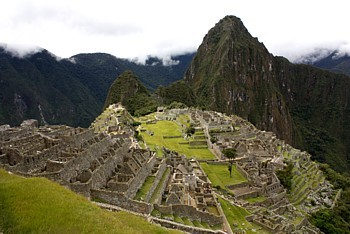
[70, 91]
[332, 60]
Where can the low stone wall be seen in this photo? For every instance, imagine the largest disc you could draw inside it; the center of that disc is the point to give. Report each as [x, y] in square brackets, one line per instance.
[255, 193]
[197, 143]
[163, 209]
[188, 229]
[191, 213]
[242, 171]
[235, 186]
[81, 188]
[119, 199]
[301, 224]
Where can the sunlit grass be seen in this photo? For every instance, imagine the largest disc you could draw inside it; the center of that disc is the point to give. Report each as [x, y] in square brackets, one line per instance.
[236, 218]
[37, 205]
[171, 128]
[219, 174]
[142, 193]
[255, 199]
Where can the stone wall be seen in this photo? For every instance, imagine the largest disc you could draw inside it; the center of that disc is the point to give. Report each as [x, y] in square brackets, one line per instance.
[141, 176]
[235, 186]
[242, 171]
[39, 159]
[182, 227]
[191, 213]
[102, 173]
[84, 159]
[78, 137]
[119, 199]
[158, 196]
[158, 177]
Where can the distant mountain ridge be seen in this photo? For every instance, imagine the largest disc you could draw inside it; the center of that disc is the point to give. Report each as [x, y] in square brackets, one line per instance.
[334, 61]
[71, 91]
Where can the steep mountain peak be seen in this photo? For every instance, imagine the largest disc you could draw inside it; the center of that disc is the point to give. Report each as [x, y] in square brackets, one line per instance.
[128, 90]
[230, 30]
[232, 72]
[231, 24]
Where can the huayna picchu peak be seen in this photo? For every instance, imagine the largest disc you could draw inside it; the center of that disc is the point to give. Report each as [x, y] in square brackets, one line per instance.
[234, 73]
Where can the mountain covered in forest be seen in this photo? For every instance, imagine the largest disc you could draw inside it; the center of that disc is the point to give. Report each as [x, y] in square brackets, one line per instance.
[233, 72]
[71, 91]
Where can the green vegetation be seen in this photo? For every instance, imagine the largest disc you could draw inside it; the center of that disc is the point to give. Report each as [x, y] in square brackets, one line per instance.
[231, 154]
[178, 91]
[170, 128]
[128, 90]
[141, 194]
[255, 199]
[156, 192]
[217, 174]
[336, 220]
[236, 218]
[37, 205]
[285, 176]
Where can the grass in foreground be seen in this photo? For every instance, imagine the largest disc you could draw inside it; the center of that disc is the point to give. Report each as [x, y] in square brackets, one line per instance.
[37, 205]
[171, 128]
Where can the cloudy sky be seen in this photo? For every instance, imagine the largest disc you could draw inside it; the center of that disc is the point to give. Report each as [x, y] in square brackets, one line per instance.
[137, 28]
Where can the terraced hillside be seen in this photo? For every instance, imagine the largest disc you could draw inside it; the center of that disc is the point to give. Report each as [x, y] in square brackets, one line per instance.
[185, 181]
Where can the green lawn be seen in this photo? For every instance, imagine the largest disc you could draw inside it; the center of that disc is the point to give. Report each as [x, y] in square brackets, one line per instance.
[171, 128]
[184, 119]
[37, 205]
[255, 199]
[220, 175]
[236, 215]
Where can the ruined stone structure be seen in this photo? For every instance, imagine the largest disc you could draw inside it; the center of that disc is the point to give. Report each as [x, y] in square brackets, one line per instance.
[106, 164]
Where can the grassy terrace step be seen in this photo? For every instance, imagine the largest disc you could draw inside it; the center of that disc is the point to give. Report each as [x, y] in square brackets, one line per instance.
[301, 197]
[219, 175]
[184, 119]
[156, 192]
[142, 193]
[171, 128]
[236, 215]
[37, 205]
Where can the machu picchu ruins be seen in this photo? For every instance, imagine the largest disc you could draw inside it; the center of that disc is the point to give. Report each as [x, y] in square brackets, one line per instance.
[110, 164]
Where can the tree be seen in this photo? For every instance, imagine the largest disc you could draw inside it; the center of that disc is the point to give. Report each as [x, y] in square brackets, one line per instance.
[231, 154]
[190, 130]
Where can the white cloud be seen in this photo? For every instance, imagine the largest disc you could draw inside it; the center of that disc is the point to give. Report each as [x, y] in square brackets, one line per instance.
[137, 28]
[20, 50]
